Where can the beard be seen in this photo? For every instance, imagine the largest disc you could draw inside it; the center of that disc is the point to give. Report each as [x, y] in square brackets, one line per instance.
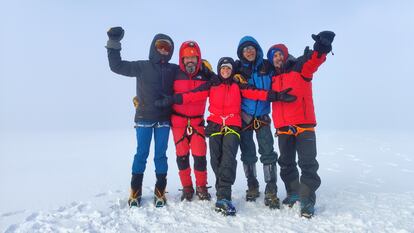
[190, 67]
[279, 65]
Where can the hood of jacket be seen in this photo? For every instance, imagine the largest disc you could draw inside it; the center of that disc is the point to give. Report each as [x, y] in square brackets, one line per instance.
[154, 55]
[246, 41]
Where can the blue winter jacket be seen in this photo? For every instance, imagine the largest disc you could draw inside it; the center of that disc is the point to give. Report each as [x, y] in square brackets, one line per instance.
[260, 77]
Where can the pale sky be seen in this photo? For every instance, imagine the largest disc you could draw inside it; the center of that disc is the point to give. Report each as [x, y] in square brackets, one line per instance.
[54, 71]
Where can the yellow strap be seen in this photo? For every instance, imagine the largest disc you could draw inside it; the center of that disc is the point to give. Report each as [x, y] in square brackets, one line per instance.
[226, 130]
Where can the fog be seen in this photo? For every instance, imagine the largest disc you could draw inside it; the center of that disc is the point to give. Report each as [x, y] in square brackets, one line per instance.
[55, 76]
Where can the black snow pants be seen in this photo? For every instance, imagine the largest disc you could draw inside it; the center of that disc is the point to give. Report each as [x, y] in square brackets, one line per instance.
[305, 146]
[223, 151]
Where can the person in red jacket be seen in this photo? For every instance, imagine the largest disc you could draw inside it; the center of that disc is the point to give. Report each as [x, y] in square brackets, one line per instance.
[224, 124]
[188, 122]
[295, 121]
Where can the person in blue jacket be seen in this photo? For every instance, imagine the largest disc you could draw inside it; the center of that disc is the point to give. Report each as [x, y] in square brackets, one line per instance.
[255, 119]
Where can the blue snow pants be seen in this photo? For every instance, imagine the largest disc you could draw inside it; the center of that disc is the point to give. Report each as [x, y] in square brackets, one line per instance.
[144, 132]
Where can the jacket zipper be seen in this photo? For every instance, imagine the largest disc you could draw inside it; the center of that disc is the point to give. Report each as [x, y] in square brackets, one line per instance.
[304, 107]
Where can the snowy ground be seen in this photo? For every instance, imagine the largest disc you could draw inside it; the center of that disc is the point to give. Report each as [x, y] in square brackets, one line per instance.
[78, 182]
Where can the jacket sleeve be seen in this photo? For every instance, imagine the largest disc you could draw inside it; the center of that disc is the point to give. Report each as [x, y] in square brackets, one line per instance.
[119, 66]
[197, 94]
[309, 63]
[250, 92]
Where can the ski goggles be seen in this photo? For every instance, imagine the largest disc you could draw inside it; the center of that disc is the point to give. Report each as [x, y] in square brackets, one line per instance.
[163, 44]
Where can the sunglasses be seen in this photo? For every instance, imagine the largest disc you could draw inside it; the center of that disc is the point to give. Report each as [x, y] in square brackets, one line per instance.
[163, 44]
[249, 48]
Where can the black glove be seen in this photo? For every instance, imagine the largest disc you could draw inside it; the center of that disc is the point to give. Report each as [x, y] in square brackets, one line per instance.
[115, 35]
[215, 80]
[323, 42]
[246, 72]
[169, 100]
[211, 128]
[283, 96]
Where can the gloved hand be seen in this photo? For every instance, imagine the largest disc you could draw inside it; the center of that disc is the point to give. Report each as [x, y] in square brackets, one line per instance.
[323, 42]
[244, 71]
[115, 35]
[238, 78]
[215, 80]
[169, 100]
[135, 101]
[283, 96]
[211, 128]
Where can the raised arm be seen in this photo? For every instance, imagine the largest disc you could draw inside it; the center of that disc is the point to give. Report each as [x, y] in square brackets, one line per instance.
[309, 63]
[117, 65]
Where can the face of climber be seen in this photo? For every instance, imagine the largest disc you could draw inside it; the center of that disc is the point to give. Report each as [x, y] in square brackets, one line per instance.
[225, 72]
[278, 59]
[249, 53]
[190, 64]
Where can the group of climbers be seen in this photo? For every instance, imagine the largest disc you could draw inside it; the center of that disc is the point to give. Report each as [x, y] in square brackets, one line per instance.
[240, 96]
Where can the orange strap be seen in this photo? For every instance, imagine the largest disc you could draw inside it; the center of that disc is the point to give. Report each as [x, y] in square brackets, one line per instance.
[295, 130]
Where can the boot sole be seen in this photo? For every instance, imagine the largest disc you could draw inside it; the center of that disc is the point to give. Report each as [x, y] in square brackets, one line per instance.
[271, 206]
[224, 212]
[306, 215]
[252, 198]
[289, 205]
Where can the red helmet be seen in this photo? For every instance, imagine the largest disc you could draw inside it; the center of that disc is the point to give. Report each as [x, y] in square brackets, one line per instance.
[189, 49]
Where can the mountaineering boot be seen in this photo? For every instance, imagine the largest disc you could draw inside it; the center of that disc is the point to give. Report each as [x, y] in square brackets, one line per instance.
[307, 208]
[292, 190]
[252, 191]
[225, 207]
[134, 199]
[136, 190]
[159, 192]
[187, 193]
[271, 199]
[202, 193]
[159, 198]
[291, 199]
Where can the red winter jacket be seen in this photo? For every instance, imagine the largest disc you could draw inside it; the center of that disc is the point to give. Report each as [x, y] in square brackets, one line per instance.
[185, 82]
[298, 76]
[225, 100]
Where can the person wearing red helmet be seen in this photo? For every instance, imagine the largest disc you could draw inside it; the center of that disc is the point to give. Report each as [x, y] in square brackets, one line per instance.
[295, 121]
[188, 122]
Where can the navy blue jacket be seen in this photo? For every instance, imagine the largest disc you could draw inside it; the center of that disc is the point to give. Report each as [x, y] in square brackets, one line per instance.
[155, 78]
